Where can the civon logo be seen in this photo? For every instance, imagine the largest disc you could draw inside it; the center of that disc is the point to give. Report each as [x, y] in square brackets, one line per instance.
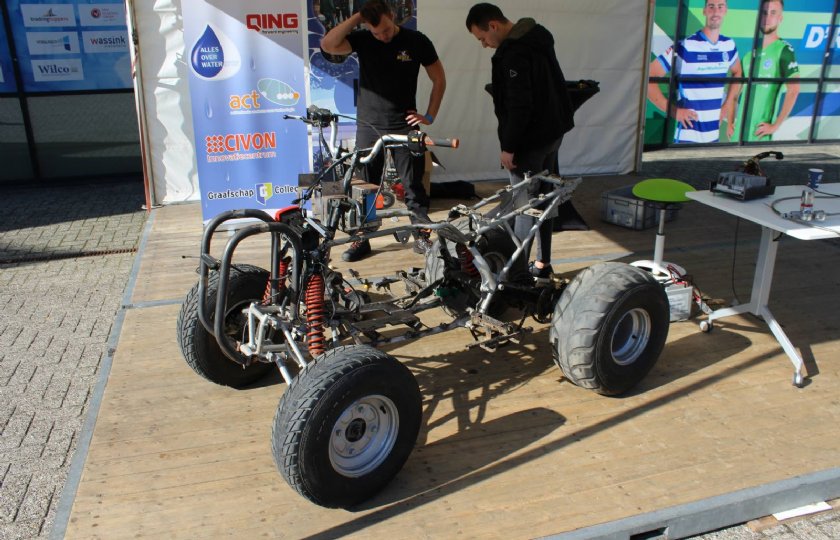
[240, 146]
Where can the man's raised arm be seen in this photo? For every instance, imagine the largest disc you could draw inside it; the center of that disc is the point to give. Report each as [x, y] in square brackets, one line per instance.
[335, 41]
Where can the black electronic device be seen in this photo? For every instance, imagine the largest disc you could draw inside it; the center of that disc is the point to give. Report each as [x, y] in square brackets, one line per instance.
[749, 182]
[743, 186]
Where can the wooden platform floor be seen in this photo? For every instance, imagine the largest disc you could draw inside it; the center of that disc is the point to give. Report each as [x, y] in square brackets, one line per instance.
[509, 448]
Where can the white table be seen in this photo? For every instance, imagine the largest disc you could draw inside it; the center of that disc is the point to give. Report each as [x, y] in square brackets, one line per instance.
[759, 211]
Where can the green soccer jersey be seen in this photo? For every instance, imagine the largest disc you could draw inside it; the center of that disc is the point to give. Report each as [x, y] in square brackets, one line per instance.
[776, 61]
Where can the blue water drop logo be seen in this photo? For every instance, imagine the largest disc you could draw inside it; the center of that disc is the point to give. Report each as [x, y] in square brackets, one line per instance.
[208, 58]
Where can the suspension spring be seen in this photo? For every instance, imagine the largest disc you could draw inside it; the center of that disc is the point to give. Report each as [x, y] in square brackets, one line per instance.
[466, 260]
[282, 270]
[316, 315]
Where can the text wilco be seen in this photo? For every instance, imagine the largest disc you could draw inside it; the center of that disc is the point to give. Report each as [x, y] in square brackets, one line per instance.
[53, 69]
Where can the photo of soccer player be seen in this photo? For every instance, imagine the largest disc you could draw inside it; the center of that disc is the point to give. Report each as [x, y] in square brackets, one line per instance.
[775, 59]
[700, 104]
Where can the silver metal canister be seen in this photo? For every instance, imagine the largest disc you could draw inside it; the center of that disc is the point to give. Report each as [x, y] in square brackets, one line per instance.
[806, 204]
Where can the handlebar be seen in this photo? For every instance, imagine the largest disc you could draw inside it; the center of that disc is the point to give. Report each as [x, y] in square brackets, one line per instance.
[417, 141]
[314, 116]
[447, 143]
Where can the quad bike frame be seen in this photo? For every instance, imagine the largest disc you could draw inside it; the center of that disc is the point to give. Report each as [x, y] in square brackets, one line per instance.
[351, 413]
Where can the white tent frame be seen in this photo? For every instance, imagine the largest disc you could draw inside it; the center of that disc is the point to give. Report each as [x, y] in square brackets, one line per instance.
[609, 131]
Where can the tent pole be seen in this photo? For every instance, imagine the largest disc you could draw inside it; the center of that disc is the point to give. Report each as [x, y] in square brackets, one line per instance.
[139, 102]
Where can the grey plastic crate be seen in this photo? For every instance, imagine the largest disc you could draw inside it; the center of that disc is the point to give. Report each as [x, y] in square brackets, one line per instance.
[620, 207]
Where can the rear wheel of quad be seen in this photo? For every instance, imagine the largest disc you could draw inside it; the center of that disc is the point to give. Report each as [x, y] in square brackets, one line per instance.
[200, 349]
[609, 327]
[495, 246]
[346, 425]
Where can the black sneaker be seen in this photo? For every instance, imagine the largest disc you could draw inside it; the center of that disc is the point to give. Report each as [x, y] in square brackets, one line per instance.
[357, 250]
[540, 273]
[422, 244]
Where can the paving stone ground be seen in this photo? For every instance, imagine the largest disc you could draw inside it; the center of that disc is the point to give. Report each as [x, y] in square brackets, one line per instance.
[66, 254]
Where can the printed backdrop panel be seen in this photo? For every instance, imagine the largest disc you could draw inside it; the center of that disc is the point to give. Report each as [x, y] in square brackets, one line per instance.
[791, 42]
[67, 45]
[245, 73]
[7, 76]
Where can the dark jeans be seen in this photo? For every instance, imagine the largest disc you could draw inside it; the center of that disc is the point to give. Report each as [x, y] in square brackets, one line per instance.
[535, 161]
[409, 167]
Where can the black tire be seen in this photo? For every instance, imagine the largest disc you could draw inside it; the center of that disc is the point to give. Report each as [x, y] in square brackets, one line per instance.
[322, 438]
[609, 327]
[200, 349]
[388, 199]
[495, 245]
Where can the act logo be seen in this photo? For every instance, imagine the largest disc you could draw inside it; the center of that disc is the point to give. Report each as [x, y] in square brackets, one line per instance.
[273, 23]
[264, 192]
[278, 92]
[244, 102]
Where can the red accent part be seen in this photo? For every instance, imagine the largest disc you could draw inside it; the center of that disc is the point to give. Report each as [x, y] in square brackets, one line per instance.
[466, 260]
[316, 315]
[399, 191]
[278, 215]
[282, 270]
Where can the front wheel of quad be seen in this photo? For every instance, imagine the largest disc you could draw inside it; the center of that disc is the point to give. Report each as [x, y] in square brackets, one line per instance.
[346, 425]
[609, 327]
[200, 348]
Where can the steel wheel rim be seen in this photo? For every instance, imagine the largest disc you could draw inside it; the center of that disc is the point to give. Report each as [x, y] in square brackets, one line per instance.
[235, 319]
[630, 336]
[364, 435]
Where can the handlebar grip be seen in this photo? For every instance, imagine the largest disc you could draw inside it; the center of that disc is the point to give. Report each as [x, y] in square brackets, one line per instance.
[449, 143]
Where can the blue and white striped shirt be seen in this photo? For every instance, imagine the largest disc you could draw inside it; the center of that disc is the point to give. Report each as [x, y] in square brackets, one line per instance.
[697, 57]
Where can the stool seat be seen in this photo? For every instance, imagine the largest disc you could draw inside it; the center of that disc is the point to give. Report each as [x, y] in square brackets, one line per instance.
[662, 190]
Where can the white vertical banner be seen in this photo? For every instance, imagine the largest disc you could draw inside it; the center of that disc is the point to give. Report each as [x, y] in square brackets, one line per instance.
[246, 70]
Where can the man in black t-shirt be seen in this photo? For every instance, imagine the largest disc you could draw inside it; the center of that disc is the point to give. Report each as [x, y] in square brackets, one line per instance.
[390, 57]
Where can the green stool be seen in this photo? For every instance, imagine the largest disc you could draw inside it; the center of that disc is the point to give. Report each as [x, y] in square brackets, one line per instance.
[663, 192]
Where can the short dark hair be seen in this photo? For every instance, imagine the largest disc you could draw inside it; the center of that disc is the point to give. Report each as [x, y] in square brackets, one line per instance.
[779, 1]
[373, 10]
[480, 16]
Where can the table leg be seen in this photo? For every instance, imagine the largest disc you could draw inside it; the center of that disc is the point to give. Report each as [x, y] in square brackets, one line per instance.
[762, 280]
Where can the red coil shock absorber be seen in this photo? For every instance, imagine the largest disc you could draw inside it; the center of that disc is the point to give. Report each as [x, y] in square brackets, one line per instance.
[466, 260]
[282, 268]
[316, 314]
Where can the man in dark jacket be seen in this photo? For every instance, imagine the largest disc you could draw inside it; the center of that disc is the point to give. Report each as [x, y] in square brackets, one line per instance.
[531, 104]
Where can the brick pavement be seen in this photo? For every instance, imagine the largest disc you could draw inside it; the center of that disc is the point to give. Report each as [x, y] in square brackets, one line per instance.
[66, 253]
[65, 257]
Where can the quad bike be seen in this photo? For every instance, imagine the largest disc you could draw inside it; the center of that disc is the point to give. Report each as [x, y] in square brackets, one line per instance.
[351, 414]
